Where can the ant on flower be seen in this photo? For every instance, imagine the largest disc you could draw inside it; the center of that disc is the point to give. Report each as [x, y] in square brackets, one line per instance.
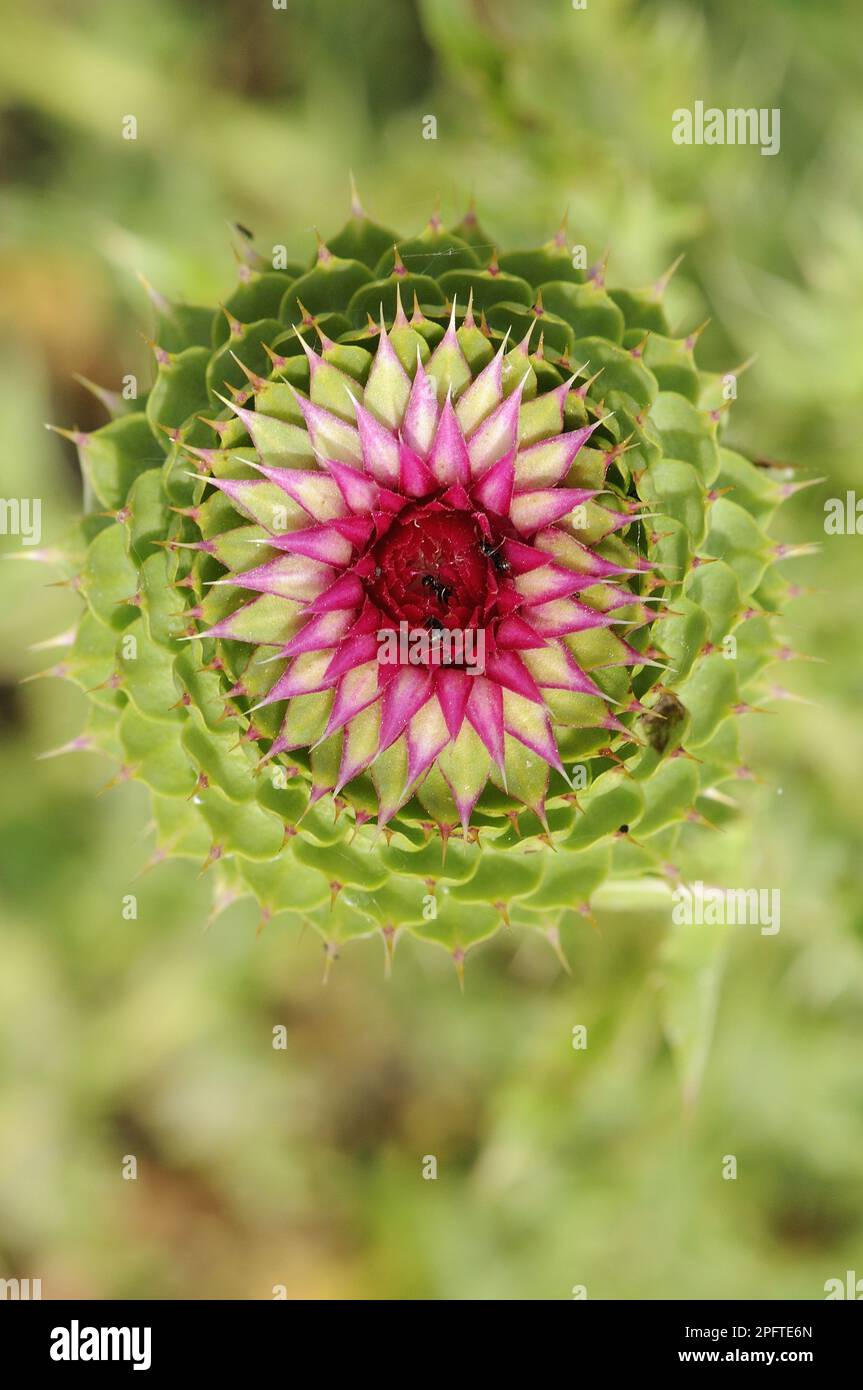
[492, 552]
[441, 591]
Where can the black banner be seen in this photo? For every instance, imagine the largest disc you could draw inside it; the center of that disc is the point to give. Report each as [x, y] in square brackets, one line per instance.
[154, 1337]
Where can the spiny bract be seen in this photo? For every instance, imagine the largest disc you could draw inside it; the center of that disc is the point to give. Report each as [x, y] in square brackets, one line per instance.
[425, 436]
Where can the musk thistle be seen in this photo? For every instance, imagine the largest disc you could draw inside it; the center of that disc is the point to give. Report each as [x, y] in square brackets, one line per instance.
[411, 585]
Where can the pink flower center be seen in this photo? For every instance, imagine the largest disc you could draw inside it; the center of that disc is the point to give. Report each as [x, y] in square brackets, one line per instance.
[435, 567]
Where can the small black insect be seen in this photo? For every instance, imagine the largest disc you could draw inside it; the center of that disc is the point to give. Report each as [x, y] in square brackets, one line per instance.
[440, 590]
[493, 552]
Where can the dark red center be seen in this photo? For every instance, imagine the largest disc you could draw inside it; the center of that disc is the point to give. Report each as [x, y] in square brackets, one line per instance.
[434, 567]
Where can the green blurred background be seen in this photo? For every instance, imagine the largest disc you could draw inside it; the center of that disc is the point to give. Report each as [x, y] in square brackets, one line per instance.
[302, 1167]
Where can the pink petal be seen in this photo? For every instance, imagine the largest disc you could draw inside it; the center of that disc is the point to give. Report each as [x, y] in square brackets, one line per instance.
[346, 592]
[496, 435]
[360, 492]
[532, 511]
[555, 668]
[228, 627]
[415, 479]
[354, 693]
[352, 763]
[523, 558]
[456, 497]
[353, 652]
[356, 529]
[241, 491]
[330, 434]
[548, 462]
[314, 491]
[547, 583]
[405, 693]
[428, 735]
[421, 415]
[380, 448]
[273, 438]
[532, 727]
[318, 543]
[448, 362]
[452, 688]
[506, 668]
[561, 616]
[293, 577]
[591, 567]
[449, 459]
[391, 503]
[483, 394]
[319, 634]
[485, 713]
[370, 619]
[306, 675]
[494, 489]
[514, 634]
[388, 385]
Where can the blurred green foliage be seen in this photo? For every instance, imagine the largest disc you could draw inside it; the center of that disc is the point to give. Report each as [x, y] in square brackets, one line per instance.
[302, 1167]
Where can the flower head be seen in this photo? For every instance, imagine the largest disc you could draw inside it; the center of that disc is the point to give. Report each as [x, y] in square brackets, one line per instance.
[434, 505]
